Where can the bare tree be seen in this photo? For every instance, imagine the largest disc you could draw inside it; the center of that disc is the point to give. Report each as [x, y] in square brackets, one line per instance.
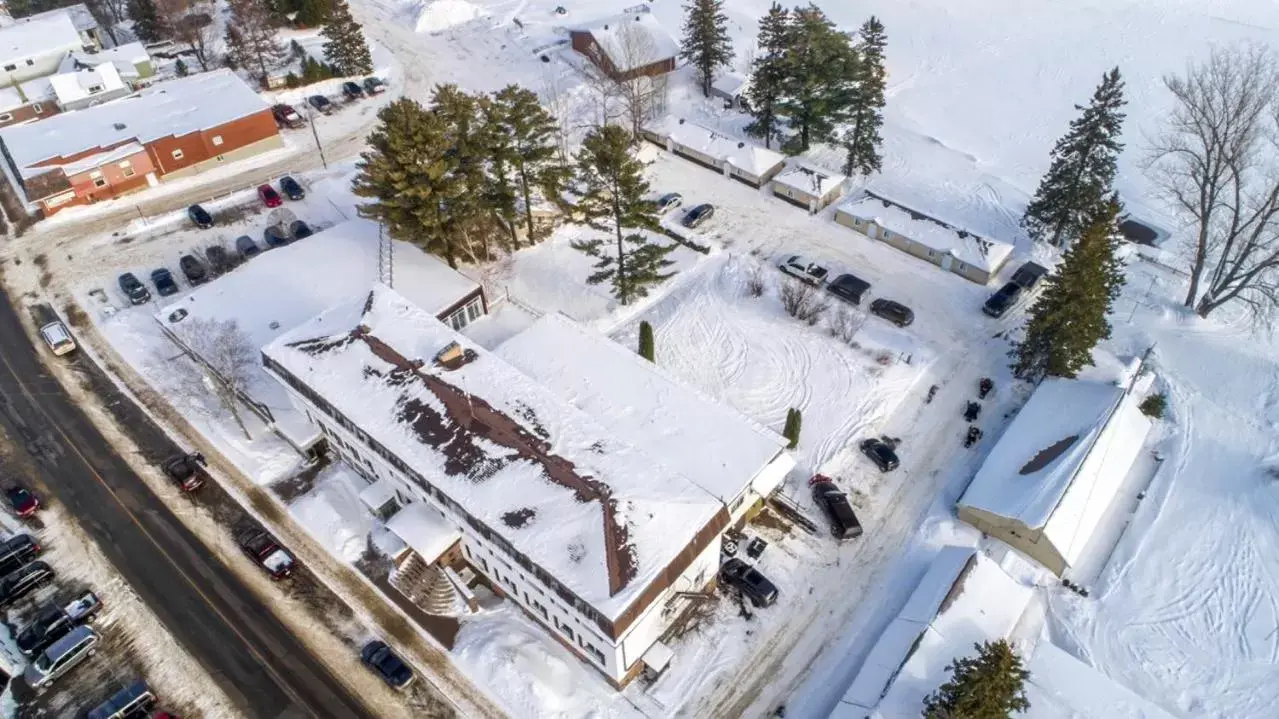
[844, 324]
[1217, 162]
[755, 281]
[802, 301]
[619, 90]
[222, 363]
[193, 26]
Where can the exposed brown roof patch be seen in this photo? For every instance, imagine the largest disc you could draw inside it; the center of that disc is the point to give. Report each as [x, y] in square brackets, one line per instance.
[518, 518]
[1048, 454]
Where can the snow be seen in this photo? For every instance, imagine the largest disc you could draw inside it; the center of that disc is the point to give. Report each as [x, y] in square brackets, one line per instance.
[1063, 687]
[75, 85]
[125, 58]
[38, 36]
[744, 155]
[80, 15]
[658, 513]
[729, 84]
[963, 245]
[650, 42]
[424, 530]
[440, 15]
[702, 439]
[277, 560]
[11, 99]
[810, 179]
[332, 513]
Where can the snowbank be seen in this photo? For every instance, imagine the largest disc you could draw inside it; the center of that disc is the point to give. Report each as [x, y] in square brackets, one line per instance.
[440, 15]
[333, 514]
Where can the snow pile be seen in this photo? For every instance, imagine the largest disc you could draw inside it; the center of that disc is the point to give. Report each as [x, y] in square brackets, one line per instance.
[1063, 687]
[440, 15]
[333, 514]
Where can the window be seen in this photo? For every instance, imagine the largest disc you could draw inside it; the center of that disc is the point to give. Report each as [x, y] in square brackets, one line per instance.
[6, 117]
[10, 68]
[37, 108]
[473, 311]
[178, 155]
[95, 89]
[217, 140]
[888, 235]
[99, 182]
[220, 158]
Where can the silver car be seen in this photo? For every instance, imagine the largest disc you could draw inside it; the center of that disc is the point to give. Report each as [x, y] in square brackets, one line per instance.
[61, 657]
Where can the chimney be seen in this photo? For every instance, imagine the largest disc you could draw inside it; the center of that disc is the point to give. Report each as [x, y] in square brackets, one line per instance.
[119, 125]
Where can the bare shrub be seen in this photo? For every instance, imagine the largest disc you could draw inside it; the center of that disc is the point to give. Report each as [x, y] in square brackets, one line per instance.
[802, 301]
[755, 282]
[844, 324]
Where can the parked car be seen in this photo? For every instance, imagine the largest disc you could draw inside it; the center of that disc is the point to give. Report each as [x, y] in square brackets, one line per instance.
[848, 288]
[352, 90]
[263, 549]
[894, 312]
[24, 580]
[246, 246]
[696, 216]
[1028, 275]
[1003, 299]
[219, 259]
[23, 501]
[17, 551]
[135, 700]
[61, 656]
[55, 622]
[374, 86]
[321, 103]
[300, 230]
[186, 471]
[669, 201]
[193, 269]
[753, 585]
[57, 337]
[164, 282]
[386, 664]
[200, 217]
[291, 188]
[843, 522]
[286, 116]
[133, 288]
[804, 271]
[269, 196]
[275, 236]
[882, 453]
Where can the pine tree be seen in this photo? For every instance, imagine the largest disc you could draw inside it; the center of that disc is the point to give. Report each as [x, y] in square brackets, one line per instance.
[530, 148]
[794, 422]
[180, 68]
[1070, 317]
[768, 73]
[146, 21]
[820, 78]
[470, 213]
[1082, 169]
[862, 140]
[615, 200]
[345, 47]
[990, 685]
[646, 345]
[250, 39]
[302, 13]
[706, 44]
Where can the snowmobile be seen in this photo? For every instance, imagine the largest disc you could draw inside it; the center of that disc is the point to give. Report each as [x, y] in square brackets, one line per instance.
[984, 387]
[973, 436]
[971, 411]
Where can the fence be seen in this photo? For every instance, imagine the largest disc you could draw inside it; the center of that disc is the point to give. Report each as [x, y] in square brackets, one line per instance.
[258, 408]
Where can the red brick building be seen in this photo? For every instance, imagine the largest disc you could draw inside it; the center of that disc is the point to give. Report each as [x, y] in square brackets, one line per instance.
[627, 46]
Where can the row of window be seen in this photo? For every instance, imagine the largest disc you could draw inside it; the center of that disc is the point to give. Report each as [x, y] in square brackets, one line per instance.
[12, 66]
[465, 315]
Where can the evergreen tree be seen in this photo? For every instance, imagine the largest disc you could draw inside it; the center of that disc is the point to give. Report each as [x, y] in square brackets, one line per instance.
[615, 200]
[1082, 169]
[768, 73]
[146, 21]
[821, 70]
[990, 685]
[532, 149]
[794, 421]
[500, 196]
[345, 47]
[647, 349]
[180, 67]
[706, 44]
[1070, 317]
[302, 13]
[862, 140]
[250, 38]
[470, 212]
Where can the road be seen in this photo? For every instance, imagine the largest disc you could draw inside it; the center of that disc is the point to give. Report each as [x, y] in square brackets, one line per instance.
[258, 662]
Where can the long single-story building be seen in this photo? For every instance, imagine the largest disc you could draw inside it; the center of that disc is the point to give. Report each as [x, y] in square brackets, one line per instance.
[743, 161]
[1048, 483]
[809, 187]
[975, 258]
[627, 46]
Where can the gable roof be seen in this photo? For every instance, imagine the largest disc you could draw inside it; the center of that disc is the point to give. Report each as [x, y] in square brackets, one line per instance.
[125, 58]
[536, 473]
[37, 36]
[75, 85]
[746, 156]
[816, 181]
[632, 40]
[935, 234]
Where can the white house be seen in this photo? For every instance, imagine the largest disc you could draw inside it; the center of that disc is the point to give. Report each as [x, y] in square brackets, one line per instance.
[90, 86]
[131, 61]
[808, 186]
[36, 48]
[743, 161]
[81, 17]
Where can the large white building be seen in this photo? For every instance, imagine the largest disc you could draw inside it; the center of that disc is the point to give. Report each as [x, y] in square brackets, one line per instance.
[585, 485]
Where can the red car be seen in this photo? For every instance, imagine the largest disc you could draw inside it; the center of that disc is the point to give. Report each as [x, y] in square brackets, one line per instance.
[269, 196]
[263, 549]
[24, 503]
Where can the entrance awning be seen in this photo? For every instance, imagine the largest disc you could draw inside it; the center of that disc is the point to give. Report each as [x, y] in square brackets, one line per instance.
[658, 657]
[425, 530]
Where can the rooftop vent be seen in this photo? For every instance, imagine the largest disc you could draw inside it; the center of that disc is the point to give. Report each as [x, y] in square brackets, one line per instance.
[119, 125]
[681, 121]
[740, 145]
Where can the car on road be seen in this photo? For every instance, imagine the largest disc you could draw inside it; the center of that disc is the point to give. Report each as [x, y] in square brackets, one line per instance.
[219, 259]
[848, 288]
[263, 549]
[804, 271]
[300, 230]
[352, 90]
[269, 196]
[17, 551]
[200, 217]
[61, 657]
[894, 312]
[291, 188]
[321, 103]
[24, 580]
[246, 246]
[374, 86]
[23, 501]
[186, 471]
[133, 288]
[386, 664]
[1003, 299]
[698, 215]
[669, 201]
[754, 585]
[164, 283]
[57, 338]
[883, 454]
[54, 622]
[843, 522]
[286, 116]
[193, 269]
[275, 236]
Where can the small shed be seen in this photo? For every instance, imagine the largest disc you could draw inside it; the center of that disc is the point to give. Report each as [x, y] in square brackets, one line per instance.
[731, 87]
[808, 186]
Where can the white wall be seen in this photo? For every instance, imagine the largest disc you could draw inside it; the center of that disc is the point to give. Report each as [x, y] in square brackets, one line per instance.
[26, 68]
[653, 622]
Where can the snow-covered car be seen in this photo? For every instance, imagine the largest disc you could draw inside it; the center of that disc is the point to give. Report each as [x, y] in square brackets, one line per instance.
[374, 86]
[263, 549]
[669, 201]
[804, 271]
[57, 337]
[386, 664]
[286, 116]
[754, 585]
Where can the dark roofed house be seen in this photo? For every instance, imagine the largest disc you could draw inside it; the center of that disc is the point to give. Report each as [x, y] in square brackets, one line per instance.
[627, 46]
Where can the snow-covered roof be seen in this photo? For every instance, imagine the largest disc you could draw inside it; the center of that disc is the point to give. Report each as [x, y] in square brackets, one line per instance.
[376, 495]
[632, 40]
[98, 159]
[964, 598]
[605, 519]
[706, 441]
[816, 181]
[425, 530]
[729, 84]
[178, 107]
[746, 156]
[81, 18]
[11, 99]
[37, 89]
[125, 58]
[80, 84]
[1063, 458]
[53, 32]
[1063, 687]
[941, 236]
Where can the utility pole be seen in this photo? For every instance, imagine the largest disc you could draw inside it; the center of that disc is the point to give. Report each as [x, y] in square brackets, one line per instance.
[316, 134]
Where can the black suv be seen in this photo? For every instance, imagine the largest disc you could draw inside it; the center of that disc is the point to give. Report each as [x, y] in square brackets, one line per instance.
[321, 103]
[882, 453]
[291, 188]
[698, 215]
[300, 230]
[24, 580]
[1003, 299]
[848, 288]
[894, 312]
[352, 90]
[843, 523]
[246, 246]
[386, 664]
[133, 288]
[754, 585]
[164, 282]
[194, 270]
[17, 551]
[200, 217]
